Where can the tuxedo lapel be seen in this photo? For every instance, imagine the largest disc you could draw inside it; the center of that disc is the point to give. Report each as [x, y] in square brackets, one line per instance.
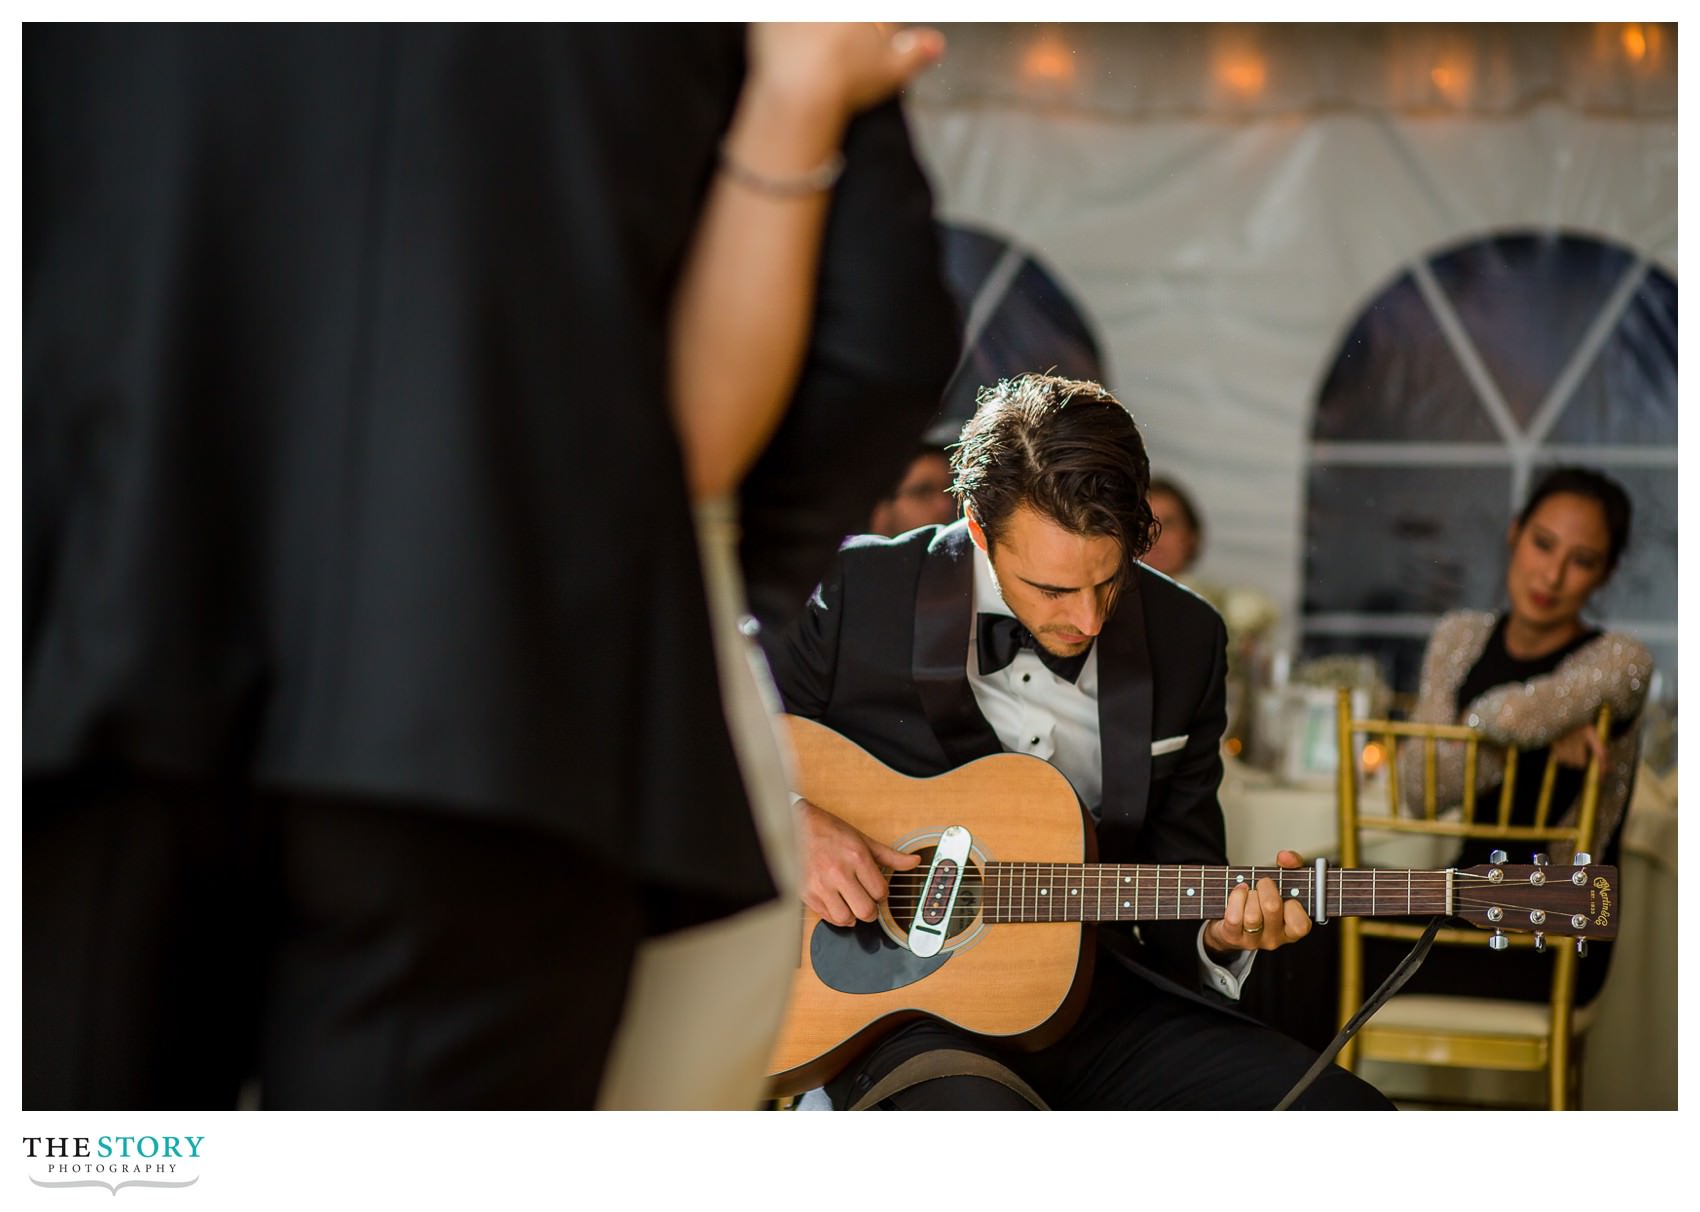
[1124, 721]
[944, 607]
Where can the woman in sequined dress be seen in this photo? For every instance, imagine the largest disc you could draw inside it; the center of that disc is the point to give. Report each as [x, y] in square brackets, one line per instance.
[1535, 675]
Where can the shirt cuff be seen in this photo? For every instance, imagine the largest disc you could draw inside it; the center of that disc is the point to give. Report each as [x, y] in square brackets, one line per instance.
[1225, 980]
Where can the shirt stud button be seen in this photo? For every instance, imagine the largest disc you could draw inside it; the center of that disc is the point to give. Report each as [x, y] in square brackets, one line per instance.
[1034, 741]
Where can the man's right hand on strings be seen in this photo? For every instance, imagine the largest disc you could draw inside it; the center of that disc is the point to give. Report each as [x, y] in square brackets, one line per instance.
[842, 880]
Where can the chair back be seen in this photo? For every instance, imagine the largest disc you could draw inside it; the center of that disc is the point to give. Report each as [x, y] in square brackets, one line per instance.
[1551, 829]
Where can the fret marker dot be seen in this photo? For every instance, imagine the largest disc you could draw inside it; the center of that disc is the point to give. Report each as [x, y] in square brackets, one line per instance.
[1292, 892]
[1239, 879]
[1044, 892]
[1127, 904]
[1127, 879]
[1073, 891]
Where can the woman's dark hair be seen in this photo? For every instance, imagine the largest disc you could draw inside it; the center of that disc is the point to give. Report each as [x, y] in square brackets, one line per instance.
[1583, 482]
[1067, 449]
[1188, 510]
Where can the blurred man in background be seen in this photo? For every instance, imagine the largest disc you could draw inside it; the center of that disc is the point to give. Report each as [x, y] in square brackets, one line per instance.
[922, 498]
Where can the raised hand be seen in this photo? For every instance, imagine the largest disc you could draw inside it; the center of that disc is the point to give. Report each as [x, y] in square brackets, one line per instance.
[845, 66]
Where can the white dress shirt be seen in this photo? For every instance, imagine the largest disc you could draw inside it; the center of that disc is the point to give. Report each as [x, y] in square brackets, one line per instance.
[1034, 711]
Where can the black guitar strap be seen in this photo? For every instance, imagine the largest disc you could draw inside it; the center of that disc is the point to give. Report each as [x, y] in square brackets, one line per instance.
[1396, 979]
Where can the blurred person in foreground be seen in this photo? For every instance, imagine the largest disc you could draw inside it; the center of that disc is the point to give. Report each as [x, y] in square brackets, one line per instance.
[371, 712]
[705, 1002]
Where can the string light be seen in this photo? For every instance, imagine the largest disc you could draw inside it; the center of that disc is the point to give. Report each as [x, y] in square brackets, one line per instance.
[1453, 81]
[1243, 71]
[1048, 61]
[1634, 43]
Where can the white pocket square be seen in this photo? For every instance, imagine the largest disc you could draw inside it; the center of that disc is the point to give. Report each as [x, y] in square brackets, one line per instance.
[1168, 745]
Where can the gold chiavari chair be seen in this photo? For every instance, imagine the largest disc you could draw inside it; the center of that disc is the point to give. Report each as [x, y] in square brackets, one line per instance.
[1462, 1031]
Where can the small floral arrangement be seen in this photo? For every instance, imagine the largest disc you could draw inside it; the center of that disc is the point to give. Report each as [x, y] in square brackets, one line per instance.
[1356, 670]
[1248, 613]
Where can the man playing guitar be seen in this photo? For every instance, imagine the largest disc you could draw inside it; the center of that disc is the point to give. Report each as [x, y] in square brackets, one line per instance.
[1029, 626]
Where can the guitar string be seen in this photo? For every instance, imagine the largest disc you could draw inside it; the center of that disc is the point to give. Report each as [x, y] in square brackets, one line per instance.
[1098, 882]
[1349, 881]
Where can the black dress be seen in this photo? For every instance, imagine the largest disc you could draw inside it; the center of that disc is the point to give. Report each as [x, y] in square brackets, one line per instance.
[359, 578]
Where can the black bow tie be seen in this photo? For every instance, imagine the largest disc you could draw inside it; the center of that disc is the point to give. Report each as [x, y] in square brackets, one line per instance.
[1001, 637]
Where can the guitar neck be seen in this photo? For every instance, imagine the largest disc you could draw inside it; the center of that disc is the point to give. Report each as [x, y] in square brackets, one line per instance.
[1111, 892]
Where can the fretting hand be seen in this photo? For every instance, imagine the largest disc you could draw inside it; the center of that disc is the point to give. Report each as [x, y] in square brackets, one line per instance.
[1260, 919]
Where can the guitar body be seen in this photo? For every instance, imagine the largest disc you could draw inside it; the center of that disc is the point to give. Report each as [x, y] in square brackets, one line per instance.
[1019, 983]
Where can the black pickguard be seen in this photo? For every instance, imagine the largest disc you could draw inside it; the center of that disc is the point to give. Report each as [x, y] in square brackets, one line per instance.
[863, 959]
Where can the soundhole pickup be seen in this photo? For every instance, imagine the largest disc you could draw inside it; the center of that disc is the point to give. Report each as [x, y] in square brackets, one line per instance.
[939, 898]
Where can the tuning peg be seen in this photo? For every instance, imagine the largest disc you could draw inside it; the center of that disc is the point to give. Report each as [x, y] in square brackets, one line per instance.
[1497, 941]
[1540, 941]
[1582, 859]
[1581, 946]
[1496, 856]
[1541, 860]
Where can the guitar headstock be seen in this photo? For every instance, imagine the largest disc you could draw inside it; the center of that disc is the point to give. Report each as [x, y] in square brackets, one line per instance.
[1564, 901]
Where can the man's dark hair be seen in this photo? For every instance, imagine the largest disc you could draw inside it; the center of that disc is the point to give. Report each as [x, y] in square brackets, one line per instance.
[1585, 482]
[1064, 447]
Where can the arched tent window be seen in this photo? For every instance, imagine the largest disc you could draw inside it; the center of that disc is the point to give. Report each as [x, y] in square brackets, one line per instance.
[1016, 319]
[1479, 367]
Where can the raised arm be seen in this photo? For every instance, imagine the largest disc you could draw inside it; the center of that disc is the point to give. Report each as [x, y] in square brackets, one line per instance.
[1613, 670]
[744, 303]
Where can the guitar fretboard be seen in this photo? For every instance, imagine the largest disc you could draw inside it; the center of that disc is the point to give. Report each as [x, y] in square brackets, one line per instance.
[1111, 892]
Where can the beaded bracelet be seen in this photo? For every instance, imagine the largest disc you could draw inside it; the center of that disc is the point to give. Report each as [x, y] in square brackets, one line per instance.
[815, 181]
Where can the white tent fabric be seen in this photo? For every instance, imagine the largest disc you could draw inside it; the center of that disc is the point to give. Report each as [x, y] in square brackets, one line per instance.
[1221, 256]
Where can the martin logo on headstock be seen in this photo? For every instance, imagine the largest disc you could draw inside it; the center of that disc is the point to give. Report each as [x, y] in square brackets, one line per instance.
[1599, 906]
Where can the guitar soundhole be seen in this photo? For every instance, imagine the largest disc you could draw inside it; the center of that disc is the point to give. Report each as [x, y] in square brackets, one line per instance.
[906, 894]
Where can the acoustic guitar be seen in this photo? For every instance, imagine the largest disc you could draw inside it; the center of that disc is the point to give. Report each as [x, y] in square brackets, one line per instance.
[990, 931]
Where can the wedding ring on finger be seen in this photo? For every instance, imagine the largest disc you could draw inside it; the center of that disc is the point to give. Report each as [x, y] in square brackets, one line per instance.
[1258, 929]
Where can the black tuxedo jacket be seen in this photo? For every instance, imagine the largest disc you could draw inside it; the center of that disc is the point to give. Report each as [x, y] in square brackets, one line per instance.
[348, 462]
[880, 656]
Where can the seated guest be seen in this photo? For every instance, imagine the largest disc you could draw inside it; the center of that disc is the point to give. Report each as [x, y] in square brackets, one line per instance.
[1182, 535]
[1535, 675]
[922, 498]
